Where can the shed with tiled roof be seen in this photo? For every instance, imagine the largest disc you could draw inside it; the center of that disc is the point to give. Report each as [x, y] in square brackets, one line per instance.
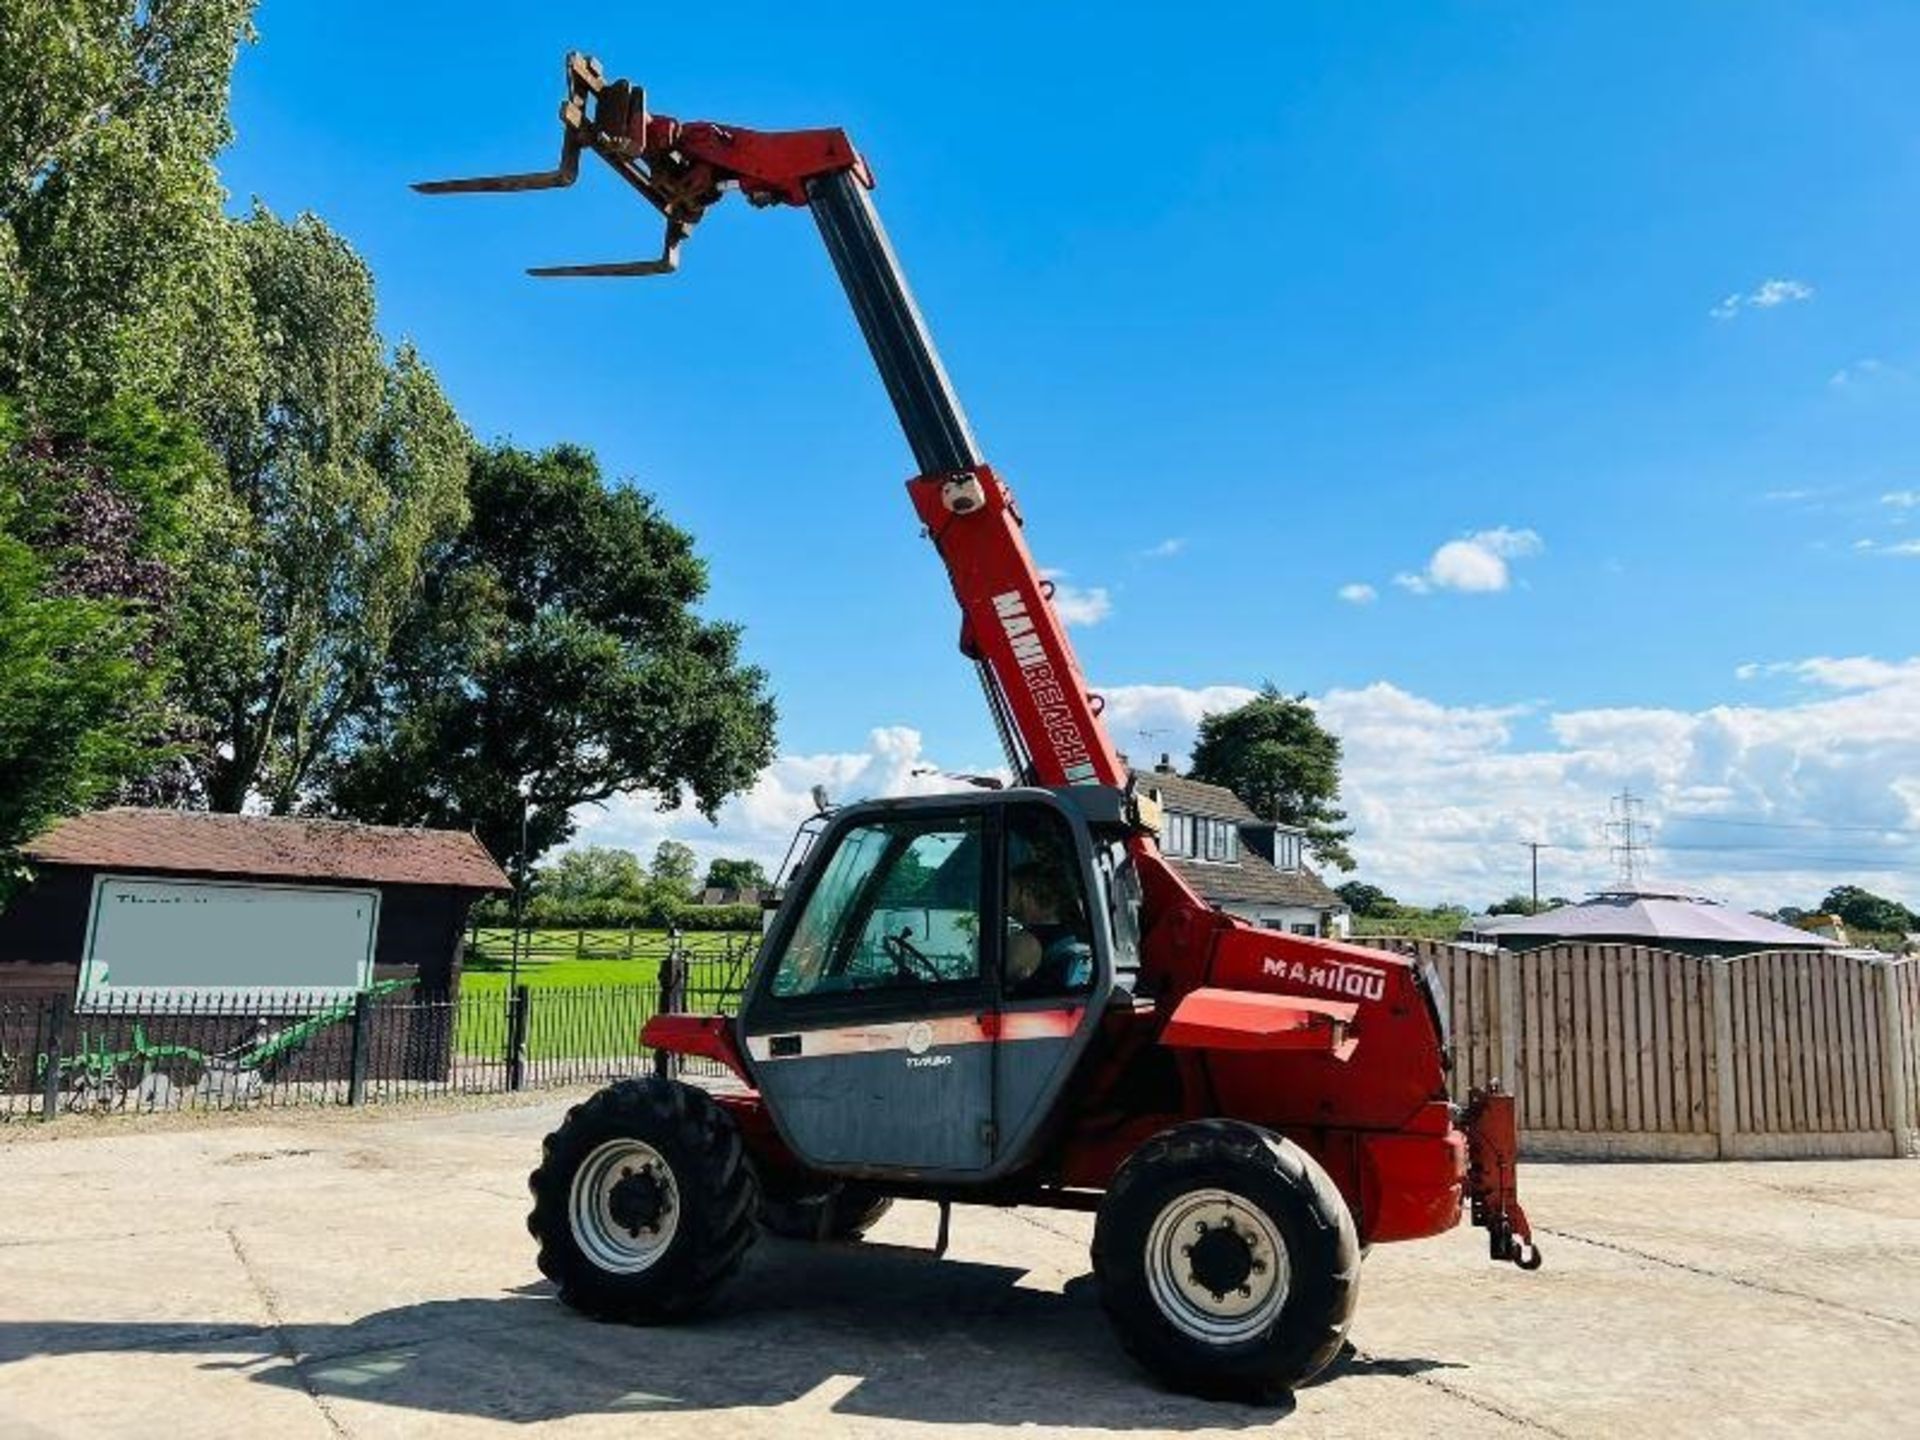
[414, 888]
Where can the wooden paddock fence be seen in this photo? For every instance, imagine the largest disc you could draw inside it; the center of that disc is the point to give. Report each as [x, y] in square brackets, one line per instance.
[1617, 1050]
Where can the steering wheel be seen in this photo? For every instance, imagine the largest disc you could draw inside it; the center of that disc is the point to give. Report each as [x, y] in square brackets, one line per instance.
[911, 962]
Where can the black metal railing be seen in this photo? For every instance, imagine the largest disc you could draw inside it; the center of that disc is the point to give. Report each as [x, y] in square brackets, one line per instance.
[393, 1043]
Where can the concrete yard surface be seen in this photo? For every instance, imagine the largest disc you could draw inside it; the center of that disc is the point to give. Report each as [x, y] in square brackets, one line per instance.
[368, 1274]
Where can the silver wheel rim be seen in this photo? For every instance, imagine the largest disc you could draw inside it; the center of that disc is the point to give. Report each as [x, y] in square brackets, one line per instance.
[609, 1244]
[1238, 1312]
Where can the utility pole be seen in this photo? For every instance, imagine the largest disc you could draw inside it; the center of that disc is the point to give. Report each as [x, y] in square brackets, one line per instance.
[1534, 848]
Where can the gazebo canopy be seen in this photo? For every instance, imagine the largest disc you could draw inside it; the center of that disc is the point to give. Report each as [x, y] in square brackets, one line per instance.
[1665, 916]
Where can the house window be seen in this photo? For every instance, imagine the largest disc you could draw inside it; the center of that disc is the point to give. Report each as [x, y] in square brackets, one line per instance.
[1222, 841]
[1305, 928]
[1286, 851]
[1177, 838]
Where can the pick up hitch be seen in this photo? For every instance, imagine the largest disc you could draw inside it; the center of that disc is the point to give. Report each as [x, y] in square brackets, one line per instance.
[1493, 1151]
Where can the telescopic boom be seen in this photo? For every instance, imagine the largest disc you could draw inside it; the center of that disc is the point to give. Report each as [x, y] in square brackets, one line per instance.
[1047, 719]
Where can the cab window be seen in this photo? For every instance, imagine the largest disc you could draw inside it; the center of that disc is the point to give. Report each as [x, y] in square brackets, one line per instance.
[896, 907]
[1049, 949]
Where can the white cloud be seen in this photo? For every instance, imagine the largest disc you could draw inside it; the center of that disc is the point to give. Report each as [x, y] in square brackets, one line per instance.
[1856, 373]
[1358, 594]
[1165, 549]
[1901, 499]
[1779, 292]
[760, 823]
[1440, 795]
[1077, 604]
[1765, 296]
[1476, 563]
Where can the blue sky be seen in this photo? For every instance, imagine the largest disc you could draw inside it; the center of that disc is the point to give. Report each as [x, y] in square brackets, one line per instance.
[1250, 307]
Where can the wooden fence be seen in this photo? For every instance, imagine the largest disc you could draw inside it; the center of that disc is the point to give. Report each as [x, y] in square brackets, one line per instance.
[1620, 1050]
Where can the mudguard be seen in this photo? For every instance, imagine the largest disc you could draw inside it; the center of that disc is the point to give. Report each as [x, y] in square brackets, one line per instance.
[1211, 1018]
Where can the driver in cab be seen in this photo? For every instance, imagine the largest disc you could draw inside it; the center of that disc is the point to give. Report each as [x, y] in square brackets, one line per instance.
[1047, 951]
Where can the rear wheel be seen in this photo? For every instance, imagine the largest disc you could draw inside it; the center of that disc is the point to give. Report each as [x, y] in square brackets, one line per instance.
[847, 1213]
[643, 1202]
[1227, 1261]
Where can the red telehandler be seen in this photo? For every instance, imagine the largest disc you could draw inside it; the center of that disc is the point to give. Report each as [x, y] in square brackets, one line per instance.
[1007, 997]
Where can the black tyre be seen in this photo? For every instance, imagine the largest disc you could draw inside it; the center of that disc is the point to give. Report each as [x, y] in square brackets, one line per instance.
[1227, 1261]
[848, 1212]
[643, 1202]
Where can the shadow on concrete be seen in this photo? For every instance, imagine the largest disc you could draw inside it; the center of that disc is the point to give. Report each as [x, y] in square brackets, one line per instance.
[869, 1334]
[1351, 1362]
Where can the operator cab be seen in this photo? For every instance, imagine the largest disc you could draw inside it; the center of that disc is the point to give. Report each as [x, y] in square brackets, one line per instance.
[956, 951]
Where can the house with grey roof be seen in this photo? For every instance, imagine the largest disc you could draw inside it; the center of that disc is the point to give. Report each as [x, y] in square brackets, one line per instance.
[1239, 863]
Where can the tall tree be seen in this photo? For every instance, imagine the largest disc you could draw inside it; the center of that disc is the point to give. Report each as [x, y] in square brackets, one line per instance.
[118, 272]
[558, 655]
[1274, 754]
[672, 868]
[350, 467]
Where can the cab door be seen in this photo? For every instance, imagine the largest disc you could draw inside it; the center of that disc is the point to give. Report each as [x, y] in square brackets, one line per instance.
[1055, 970]
[869, 1028]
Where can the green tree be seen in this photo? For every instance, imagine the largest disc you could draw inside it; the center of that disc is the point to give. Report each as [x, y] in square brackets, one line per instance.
[69, 693]
[593, 872]
[735, 875]
[1364, 899]
[1276, 756]
[118, 275]
[1864, 910]
[350, 467]
[559, 650]
[96, 546]
[672, 868]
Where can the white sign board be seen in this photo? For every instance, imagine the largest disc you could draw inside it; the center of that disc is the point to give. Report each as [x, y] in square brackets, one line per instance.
[173, 940]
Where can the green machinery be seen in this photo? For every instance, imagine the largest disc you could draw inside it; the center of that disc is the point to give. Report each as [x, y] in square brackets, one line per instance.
[140, 1075]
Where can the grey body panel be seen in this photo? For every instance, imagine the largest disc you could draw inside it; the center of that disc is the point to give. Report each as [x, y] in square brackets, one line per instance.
[879, 1112]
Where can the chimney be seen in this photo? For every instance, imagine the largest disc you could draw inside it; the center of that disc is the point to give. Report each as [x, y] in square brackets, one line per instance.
[1165, 767]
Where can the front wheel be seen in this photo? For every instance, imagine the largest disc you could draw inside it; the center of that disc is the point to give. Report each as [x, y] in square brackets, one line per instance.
[643, 1202]
[1227, 1261]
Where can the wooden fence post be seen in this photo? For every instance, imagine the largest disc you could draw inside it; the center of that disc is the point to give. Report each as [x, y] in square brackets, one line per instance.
[56, 1035]
[1896, 1050]
[362, 1036]
[1506, 1019]
[1725, 1112]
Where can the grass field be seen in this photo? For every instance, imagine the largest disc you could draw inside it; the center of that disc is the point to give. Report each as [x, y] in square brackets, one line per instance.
[590, 987]
[572, 959]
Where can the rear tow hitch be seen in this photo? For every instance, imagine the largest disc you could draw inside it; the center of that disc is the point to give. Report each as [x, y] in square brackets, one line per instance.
[1493, 1147]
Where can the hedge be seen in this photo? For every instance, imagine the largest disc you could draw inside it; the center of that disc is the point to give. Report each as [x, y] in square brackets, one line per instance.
[548, 913]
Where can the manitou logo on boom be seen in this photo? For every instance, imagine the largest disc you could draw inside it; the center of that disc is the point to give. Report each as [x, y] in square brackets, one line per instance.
[1056, 715]
[1356, 982]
